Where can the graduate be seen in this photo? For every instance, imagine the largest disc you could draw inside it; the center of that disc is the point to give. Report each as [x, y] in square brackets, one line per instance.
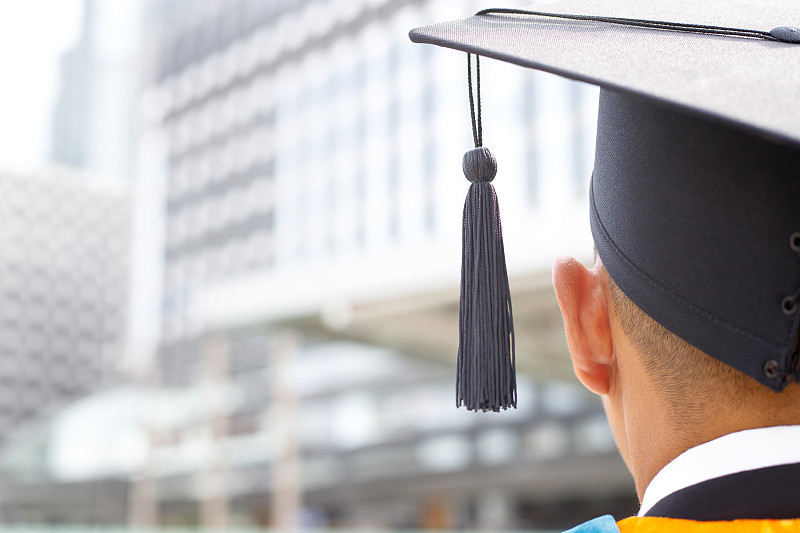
[688, 323]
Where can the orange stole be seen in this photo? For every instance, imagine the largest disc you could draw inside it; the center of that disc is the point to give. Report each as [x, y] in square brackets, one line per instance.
[648, 524]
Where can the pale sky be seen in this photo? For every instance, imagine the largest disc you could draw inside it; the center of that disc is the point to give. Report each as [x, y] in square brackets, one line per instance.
[33, 34]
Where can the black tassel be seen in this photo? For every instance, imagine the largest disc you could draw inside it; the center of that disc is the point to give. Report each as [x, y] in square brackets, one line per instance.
[486, 378]
[486, 352]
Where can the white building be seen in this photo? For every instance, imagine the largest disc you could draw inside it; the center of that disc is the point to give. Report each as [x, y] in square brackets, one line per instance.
[63, 289]
[312, 160]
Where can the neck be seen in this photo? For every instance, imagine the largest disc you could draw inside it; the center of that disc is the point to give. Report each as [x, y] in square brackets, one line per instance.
[658, 432]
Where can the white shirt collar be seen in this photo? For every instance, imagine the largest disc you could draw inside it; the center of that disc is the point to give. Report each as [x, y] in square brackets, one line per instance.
[737, 452]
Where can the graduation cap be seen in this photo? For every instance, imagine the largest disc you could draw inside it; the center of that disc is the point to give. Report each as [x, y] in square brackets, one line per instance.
[695, 193]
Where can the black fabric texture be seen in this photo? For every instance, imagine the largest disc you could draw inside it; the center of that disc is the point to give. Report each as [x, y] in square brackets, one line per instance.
[693, 221]
[765, 493]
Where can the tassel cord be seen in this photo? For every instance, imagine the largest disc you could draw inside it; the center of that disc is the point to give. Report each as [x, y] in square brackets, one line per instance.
[488, 328]
[501, 301]
[481, 330]
[477, 123]
[508, 315]
[641, 23]
[464, 379]
[479, 339]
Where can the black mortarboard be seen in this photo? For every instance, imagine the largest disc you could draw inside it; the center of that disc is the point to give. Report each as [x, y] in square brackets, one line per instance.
[695, 195]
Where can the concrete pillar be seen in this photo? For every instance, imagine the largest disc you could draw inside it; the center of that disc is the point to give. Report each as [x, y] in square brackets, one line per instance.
[143, 495]
[286, 489]
[494, 510]
[214, 477]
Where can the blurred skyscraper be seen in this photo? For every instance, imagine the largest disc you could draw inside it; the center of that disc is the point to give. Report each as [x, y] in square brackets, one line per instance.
[63, 286]
[72, 115]
[96, 115]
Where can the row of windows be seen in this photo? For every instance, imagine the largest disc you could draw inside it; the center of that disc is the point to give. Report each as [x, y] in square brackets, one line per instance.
[247, 351]
[62, 319]
[236, 255]
[58, 354]
[33, 294]
[35, 388]
[78, 224]
[321, 192]
[68, 318]
[222, 29]
[71, 339]
[78, 212]
[81, 258]
[27, 193]
[194, 194]
[349, 101]
[56, 233]
[381, 199]
[345, 102]
[352, 134]
[88, 279]
[37, 272]
[223, 237]
[229, 209]
[236, 108]
[207, 72]
[238, 158]
[31, 375]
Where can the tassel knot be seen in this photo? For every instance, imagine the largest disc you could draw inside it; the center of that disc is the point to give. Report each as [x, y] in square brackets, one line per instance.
[479, 164]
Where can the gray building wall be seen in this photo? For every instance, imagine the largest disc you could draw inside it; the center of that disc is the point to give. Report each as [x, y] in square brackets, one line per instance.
[63, 288]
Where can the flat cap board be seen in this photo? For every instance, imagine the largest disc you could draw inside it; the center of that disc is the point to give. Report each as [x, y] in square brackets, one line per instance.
[745, 82]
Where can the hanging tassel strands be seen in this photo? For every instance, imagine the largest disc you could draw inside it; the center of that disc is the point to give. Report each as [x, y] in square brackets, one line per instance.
[486, 374]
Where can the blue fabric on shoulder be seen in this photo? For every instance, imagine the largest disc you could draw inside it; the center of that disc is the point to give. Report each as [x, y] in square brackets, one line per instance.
[601, 524]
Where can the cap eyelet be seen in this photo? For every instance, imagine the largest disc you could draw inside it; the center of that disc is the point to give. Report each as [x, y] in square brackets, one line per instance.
[789, 305]
[771, 369]
[794, 241]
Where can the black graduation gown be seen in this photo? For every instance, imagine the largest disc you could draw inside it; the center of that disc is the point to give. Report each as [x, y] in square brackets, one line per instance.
[764, 493]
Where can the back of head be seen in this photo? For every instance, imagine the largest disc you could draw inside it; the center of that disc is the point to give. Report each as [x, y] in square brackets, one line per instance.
[698, 226]
[694, 383]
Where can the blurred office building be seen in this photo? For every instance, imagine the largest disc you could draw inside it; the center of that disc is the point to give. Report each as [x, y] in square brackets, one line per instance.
[63, 286]
[312, 160]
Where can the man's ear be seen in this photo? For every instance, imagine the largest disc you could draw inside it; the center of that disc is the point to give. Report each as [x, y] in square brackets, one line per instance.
[583, 306]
